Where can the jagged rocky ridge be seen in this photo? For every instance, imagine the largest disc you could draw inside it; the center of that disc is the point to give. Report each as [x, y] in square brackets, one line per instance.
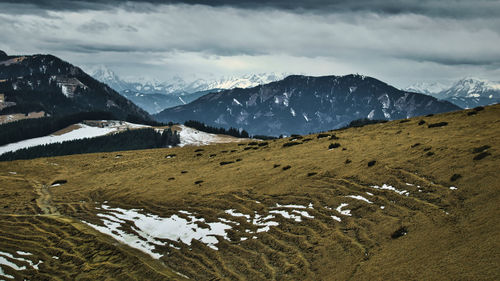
[303, 104]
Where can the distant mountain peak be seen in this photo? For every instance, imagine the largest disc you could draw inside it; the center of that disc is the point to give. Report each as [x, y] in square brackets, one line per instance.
[178, 85]
[428, 88]
[471, 87]
[302, 104]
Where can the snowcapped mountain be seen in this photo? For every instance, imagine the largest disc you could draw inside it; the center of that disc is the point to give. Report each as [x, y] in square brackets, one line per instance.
[466, 93]
[304, 104]
[428, 88]
[154, 96]
[472, 88]
[179, 86]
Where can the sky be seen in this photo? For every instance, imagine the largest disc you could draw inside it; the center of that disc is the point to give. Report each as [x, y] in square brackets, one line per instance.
[401, 42]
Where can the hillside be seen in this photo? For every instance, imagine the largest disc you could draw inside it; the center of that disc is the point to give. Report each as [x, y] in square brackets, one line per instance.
[403, 200]
[303, 104]
[49, 86]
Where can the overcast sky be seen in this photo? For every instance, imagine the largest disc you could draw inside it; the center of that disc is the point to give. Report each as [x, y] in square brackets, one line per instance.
[400, 42]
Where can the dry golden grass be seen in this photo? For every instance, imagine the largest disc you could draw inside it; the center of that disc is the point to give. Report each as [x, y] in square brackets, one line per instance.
[451, 234]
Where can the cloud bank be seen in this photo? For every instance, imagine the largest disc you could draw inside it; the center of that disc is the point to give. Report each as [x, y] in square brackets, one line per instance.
[400, 42]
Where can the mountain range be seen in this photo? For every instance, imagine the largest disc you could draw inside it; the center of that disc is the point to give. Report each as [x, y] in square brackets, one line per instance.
[466, 93]
[301, 104]
[154, 95]
[45, 83]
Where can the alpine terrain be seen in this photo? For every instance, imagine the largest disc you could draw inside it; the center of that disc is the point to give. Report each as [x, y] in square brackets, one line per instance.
[154, 96]
[49, 86]
[303, 104]
[466, 93]
[403, 200]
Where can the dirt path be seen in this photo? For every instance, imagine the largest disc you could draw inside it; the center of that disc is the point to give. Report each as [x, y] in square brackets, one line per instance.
[44, 201]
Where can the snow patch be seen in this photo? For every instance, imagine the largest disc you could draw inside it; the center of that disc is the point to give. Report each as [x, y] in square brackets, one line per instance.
[305, 117]
[343, 212]
[147, 228]
[336, 218]
[371, 114]
[84, 131]
[359, 197]
[388, 187]
[287, 215]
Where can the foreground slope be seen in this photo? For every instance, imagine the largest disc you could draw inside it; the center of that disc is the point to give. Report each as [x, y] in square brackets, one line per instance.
[426, 209]
[304, 104]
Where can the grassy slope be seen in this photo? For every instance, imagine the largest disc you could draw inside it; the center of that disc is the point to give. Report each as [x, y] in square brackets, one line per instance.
[452, 234]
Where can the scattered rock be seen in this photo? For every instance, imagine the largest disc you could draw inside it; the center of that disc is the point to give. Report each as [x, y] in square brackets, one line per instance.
[334, 145]
[226, 163]
[320, 136]
[170, 156]
[171, 179]
[199, 150]
[430, 153]
[264, 143]
[415, 145]
[184, 172]
[421, 122]
[428, 148]
[198, 154]
[404, 121]
[198, 182]
[480, 149]
[311, 174]
[238, 160]
[435, 125]
[334, 137]
[59, 182]
[212, 155]
[470, 113]
[455, 177]
[276, 165]
[291, 143]
[347, 161]
[371, 163]
[479, 108]
[481, 155]
[402, 231]
[286, 167]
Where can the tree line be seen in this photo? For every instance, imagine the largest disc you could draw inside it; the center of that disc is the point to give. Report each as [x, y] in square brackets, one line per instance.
[200, 126]
[128, 140]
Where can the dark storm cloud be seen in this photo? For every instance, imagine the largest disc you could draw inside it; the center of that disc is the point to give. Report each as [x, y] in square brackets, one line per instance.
[400, 40]
[441, 8]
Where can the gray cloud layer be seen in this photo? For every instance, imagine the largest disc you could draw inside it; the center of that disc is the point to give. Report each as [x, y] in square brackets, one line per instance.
[398, 41]
[441, 8]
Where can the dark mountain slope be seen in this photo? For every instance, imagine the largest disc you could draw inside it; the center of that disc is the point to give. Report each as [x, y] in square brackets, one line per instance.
[47, 83]
[302, 104]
